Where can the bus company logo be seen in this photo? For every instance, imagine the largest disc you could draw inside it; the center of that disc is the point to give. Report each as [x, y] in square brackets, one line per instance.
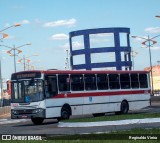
[6, 137]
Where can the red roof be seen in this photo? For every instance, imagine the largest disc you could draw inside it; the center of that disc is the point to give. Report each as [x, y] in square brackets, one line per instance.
[83, 71]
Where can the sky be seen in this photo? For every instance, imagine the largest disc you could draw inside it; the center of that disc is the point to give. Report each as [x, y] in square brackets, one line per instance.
[46, 25]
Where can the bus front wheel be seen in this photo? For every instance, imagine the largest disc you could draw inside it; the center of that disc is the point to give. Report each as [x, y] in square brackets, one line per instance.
[37, 121]
[65, 113]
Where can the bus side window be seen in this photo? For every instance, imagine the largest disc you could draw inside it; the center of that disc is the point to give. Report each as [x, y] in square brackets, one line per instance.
[102, 81]
[114, 81]
[77, 83]
[90, 82]
[125, 81]
[134, 81]
[51, 87]
[64, 82]
[143, 80]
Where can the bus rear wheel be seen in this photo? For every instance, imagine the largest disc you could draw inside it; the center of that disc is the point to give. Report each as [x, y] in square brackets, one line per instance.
[124, 107]
[37, 121]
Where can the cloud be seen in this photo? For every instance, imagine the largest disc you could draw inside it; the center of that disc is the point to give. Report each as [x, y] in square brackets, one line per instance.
[75, 45]
[24, 22]
[155, 48]
[7, 25]
[152, 29]
[20, 22]
[102, 35]
[37, 21]
[65, 46]
[69, 22]
[11, 37]
[93, 40]
[60, 36]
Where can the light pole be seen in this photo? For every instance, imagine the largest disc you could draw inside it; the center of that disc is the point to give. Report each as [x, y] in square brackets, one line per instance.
[133, 54]
[26, 59]
[67, 59]
[4, 36]
[1, 84]
[15, 49]
[150, 44]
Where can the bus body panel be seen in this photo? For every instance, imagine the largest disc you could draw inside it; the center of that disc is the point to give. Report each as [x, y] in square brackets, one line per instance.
[97, 104]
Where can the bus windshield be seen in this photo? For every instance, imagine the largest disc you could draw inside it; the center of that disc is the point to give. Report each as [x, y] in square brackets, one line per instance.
[26, 91]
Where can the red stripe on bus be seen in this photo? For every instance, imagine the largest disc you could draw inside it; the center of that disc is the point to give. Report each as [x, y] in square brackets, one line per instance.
[112, 93]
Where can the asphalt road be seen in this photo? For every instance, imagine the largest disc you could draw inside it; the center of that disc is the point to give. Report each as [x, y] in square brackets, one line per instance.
[50, 126]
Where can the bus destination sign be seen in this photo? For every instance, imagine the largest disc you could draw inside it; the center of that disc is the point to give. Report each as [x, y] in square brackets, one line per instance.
[27, 75]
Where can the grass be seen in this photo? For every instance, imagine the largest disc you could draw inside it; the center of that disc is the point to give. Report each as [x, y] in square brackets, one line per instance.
[114, 137]
[115, 117]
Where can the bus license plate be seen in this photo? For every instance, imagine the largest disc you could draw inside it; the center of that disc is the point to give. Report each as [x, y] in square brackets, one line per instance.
[24, 116]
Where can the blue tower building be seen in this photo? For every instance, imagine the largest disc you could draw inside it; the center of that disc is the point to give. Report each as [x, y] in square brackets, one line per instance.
[119, 51]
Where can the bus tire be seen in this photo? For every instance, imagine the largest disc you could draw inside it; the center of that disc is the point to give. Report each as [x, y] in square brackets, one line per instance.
[65, 113]
[124, 107]
[98, 114]
[37, 121]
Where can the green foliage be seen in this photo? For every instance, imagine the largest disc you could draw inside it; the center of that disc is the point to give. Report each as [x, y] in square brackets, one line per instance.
[115, 117]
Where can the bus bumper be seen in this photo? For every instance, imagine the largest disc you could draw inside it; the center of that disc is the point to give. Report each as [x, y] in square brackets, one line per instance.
[27, 113]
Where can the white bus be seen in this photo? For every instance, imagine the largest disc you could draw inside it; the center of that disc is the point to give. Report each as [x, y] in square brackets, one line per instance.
[59, 94]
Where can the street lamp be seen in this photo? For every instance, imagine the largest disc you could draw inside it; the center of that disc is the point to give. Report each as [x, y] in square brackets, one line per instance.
[14, 49]
[157, 16]
[4, 36]
[149, 42]
[15, 25]
[26, 59]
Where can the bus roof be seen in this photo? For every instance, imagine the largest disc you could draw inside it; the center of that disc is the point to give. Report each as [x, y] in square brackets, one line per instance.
[81, 71]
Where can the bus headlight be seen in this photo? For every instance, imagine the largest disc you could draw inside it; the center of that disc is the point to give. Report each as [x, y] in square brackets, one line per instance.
[37, 110]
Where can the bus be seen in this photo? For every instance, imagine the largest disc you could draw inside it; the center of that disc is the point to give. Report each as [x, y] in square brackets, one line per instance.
[59, 94]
